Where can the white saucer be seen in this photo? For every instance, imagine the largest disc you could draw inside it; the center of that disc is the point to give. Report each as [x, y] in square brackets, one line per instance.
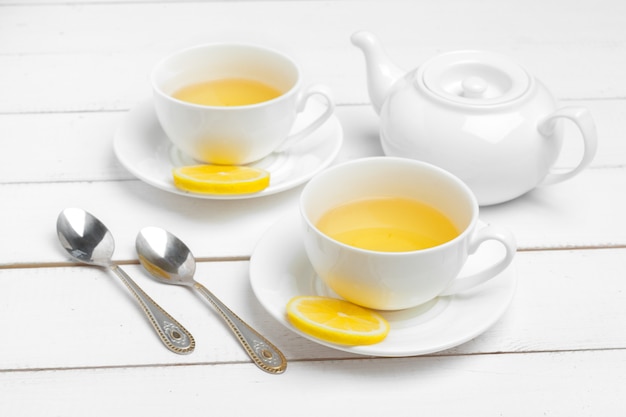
[143, 148]
[280, 270]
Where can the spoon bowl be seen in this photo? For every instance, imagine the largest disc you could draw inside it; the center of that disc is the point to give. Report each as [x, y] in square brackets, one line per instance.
[167, 259]
[88, 241]
[85, 238]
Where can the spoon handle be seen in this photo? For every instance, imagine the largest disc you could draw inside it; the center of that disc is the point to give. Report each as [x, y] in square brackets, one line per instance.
[172, 333]
[262, 352]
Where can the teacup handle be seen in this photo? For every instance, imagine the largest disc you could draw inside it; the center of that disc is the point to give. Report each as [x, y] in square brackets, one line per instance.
[316, 89]
[582, 118]
[486, 233]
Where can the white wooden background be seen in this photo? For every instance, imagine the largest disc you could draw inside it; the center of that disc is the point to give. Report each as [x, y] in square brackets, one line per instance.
[72, 343]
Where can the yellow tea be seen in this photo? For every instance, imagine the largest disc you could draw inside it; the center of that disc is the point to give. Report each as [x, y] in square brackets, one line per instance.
[388, 225]
[227, 92]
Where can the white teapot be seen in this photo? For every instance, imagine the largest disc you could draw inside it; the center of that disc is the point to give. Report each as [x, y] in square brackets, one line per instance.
[476, 114]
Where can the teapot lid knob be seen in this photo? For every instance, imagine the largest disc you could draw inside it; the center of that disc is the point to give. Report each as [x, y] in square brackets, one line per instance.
[474, 87]
[475, 78]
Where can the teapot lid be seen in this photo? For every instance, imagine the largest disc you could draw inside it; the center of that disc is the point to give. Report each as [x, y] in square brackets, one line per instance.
[474, 78]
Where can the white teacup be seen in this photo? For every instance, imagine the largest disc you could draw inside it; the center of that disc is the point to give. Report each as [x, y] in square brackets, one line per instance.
[239, 134]
[397, 280]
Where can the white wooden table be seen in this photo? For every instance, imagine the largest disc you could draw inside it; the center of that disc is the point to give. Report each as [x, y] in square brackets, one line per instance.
[72, 341]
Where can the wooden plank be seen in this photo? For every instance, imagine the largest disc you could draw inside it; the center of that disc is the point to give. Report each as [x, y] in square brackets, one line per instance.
[589, 383]
[565, 300]
[597, 23]
[580, 213]
[85, 318]
[81, 143]
[584, 212]
[50, 60]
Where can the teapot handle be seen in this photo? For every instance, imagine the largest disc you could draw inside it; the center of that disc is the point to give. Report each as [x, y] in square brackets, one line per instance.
[582, 118]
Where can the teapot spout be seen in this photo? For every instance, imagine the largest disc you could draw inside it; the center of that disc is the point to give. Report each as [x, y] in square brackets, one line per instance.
[381, 72]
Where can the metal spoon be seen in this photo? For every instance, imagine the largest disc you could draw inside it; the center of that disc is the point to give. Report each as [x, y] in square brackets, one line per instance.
[88, 240]
[169, 260]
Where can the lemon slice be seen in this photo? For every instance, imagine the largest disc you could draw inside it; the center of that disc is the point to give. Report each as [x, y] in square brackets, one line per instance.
[336, 321]
[221, 179]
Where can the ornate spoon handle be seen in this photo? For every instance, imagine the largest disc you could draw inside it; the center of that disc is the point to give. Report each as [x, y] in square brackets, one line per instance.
[262, 352]
[172, 333]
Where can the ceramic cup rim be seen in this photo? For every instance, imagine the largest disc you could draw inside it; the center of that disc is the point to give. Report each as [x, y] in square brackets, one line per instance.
[468, 228]
[158, 68]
